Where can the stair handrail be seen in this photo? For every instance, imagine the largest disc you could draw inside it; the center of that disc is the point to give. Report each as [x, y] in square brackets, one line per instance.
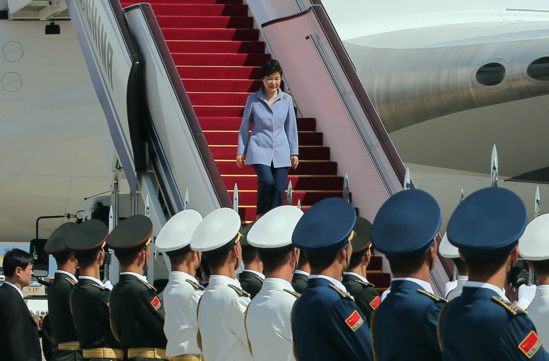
[185, 103]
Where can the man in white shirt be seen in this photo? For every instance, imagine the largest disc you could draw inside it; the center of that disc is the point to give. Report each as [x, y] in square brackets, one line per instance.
[221, 310]
[183, 291]
[534, 247]
[448, 251]
[268, 320]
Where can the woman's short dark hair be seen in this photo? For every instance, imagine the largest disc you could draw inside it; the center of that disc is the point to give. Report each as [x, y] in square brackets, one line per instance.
[270, 67]
[14, 258]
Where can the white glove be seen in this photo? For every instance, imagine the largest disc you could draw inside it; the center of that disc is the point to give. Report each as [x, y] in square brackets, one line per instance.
[108, 285]
[449, 286]
[526, 293]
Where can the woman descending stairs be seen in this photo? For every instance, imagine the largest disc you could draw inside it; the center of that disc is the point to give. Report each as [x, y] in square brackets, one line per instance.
[218, 54]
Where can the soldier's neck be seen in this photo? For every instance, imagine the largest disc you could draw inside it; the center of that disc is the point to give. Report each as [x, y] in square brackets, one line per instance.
[69, 267]
[285, 272]
[304, 267]
[132, 268]
[255, 265]
[184, 267]
[543, 279]
[422, 274]
[226, 270]
[497, 279]
[361, 270]
[92, 271]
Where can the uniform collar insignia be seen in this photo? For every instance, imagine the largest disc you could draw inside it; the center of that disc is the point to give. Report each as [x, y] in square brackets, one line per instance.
[240, 291]
[342, 294]
[149, 286]
[436, 298]
[365, 283]
[514, 310]
[293, 293]
[195, 285]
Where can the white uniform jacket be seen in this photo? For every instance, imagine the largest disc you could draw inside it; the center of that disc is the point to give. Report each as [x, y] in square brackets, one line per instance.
[539, 312]
[456, 292]
[181, 297]
[221, 321]
[268, 321]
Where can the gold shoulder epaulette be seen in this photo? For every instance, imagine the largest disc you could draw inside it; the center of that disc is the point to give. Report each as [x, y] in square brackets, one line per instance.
[239, 291]
[259, 278]
[365, 283]
[515, 310]
[71, 281]
[195, 285]
[341, 293]
[436, 298]
[149, 286]
[98, 286]
[293, 293]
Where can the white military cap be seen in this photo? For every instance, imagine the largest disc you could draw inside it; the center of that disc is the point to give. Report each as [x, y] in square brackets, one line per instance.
[446, 249]
[274, 230]
[534, 243]
[218, 231]
[175, 237]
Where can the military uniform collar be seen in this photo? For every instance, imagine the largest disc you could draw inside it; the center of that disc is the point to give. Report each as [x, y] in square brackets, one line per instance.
[277, 283]
[180, 275]
[463, 278]
[335, 282]
[543, 288]
[425, 285]
[224, 281]
[68, 274]
[362, 278]
[136, 275]
[487, 286]
[258, 274]
[300, 272]
[17, 288]
[92, 279]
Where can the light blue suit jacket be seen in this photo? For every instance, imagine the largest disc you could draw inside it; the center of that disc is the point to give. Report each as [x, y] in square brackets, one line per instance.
[274, 130]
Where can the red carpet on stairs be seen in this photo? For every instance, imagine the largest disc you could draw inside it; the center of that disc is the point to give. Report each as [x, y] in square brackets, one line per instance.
[218, 54]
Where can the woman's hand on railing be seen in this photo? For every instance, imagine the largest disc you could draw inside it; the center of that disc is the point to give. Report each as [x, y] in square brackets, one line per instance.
[240, 160]
[295, 161]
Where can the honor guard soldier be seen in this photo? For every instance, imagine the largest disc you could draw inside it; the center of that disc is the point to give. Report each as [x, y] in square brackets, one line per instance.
[446, 250]
[534, 247]
[268, 320]
[137, 318]
[354, 279]
[251, 278]
[301, 274]
[404, 326]
[327, 324]
[183, 290]
[90, 298]
[221, 311]
[480, 324]
[59, 294]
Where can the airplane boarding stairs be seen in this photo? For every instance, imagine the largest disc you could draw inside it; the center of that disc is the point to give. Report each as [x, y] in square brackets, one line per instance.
[196, 62]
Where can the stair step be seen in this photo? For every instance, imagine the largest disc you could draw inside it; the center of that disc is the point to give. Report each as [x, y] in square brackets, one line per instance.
[194, 1]
[298, 182]
[232, 47]
[305, 168]
[237, 22]
[233, 123]
[306, 198]
[218, 98]
[231, 138]
[211, 111]
[376, 263]
[220, 59]
[211, 34]
[305, 153]
[227, 85]
[197, 9]
[379, 279]
[215, 72]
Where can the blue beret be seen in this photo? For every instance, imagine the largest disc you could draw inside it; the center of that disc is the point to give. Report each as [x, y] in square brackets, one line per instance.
[406, 224]
[488, 224]
[325, 228]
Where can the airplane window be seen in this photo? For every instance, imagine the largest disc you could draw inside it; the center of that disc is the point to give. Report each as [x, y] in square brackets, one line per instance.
[539, 69]
[491, 74]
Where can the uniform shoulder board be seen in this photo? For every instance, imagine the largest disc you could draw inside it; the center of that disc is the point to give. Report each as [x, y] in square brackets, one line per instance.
[240, 292]
[195, 285]
[149, 286]
[341, 293]
[436, 298]
[515, 310]
[98, 286]
[365, 283]
[293, 293]
[259, 278]
[71, 281]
